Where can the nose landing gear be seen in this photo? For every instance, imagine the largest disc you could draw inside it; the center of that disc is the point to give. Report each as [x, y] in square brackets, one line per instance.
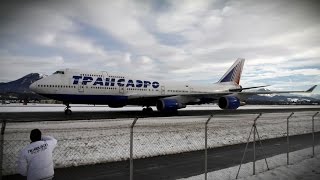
[67, 110]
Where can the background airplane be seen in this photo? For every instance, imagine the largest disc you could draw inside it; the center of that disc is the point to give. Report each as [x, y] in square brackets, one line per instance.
[117, 90]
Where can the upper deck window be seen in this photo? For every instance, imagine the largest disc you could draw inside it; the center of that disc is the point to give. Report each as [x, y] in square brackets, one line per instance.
[59, 72]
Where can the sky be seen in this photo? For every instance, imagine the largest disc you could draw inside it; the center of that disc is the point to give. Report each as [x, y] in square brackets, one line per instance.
[176, 40]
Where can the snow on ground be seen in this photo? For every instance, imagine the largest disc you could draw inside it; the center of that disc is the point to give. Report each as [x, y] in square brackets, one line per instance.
[301, 167]
[32, 107]
[106, 140]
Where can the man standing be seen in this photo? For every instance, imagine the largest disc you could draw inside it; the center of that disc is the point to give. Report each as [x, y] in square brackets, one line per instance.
[35, 160]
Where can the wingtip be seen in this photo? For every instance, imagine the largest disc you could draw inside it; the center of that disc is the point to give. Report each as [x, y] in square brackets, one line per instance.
[312, 88]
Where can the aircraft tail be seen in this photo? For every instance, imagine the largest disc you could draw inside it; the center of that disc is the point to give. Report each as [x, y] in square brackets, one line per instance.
[234, 72]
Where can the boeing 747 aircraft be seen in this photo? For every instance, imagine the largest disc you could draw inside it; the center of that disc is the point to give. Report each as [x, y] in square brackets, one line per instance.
[115, 90]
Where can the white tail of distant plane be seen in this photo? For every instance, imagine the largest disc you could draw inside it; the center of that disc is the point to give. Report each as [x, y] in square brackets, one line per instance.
[83, 87]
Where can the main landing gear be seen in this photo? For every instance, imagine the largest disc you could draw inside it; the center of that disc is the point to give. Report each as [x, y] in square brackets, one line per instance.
[67, 110]
[148, 109]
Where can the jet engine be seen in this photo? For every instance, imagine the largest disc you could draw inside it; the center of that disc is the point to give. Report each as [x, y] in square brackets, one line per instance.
[169, 105]
[229, 102]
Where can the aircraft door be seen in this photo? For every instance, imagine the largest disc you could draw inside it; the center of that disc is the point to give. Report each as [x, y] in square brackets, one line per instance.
[121, 90]
[163, 90]
[80, 88]
[105, 74]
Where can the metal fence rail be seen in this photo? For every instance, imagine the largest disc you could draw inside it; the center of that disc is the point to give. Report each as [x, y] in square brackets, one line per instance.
[101, 141]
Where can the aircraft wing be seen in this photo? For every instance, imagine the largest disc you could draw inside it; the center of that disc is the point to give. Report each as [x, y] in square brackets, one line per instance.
[216, 95]
[241, 88]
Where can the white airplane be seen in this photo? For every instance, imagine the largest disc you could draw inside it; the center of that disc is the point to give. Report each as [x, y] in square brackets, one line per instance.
[116, 90]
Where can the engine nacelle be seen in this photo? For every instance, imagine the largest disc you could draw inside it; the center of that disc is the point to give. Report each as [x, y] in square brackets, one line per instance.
[229, 102]
[169, 105]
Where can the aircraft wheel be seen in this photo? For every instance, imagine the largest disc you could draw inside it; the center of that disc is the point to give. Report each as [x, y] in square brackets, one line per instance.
[67, 112]
[149, 109]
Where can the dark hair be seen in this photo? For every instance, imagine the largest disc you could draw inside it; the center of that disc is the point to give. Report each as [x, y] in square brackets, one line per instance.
[35, 135]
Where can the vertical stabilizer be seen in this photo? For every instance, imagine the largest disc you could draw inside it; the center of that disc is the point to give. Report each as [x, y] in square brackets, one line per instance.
[234, 72]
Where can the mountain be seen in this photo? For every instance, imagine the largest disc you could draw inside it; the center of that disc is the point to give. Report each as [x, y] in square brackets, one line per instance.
[21, 85]
[263, 90]
[282, 99]
[316, 96]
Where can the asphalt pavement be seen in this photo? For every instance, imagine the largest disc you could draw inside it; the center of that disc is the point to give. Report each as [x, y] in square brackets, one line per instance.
[87, 115]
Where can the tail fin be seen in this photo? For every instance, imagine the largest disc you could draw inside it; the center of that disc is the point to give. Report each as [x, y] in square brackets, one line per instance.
[234, 72]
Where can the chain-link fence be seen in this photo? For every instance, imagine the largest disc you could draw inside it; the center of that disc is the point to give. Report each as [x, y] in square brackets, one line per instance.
[101, 141]
[79, 142]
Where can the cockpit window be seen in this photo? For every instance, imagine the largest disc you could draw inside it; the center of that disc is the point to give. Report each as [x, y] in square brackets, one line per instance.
[59, 72]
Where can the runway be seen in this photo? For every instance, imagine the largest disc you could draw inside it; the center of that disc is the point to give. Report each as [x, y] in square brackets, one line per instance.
[132, 113]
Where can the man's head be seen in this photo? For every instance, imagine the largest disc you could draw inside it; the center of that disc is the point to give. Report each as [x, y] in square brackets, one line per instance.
[35, 135]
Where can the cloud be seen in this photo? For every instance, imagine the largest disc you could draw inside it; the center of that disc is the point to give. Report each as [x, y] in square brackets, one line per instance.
[177, 40]
[121, 19]
[184, 16]
[70, 42]
[18, 66]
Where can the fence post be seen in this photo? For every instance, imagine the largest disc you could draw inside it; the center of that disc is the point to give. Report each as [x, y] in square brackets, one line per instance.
[131, 147]
[254, 142]
[248, 140]
[313, 132]
[3, 127]
[254, 148]
[288, 137]
[206, 148]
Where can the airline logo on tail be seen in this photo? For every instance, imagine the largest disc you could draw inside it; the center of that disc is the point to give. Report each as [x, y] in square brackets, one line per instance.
[234, 73]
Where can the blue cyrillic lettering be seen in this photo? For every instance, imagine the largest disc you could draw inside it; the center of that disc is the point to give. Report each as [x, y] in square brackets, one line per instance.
[86, 79]
[155, 84]
[139, 83]
[107, 82]
[130, 83]
[146, 84]
[98, 81]
[121, 82]
[76, 79]
[112, 82]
